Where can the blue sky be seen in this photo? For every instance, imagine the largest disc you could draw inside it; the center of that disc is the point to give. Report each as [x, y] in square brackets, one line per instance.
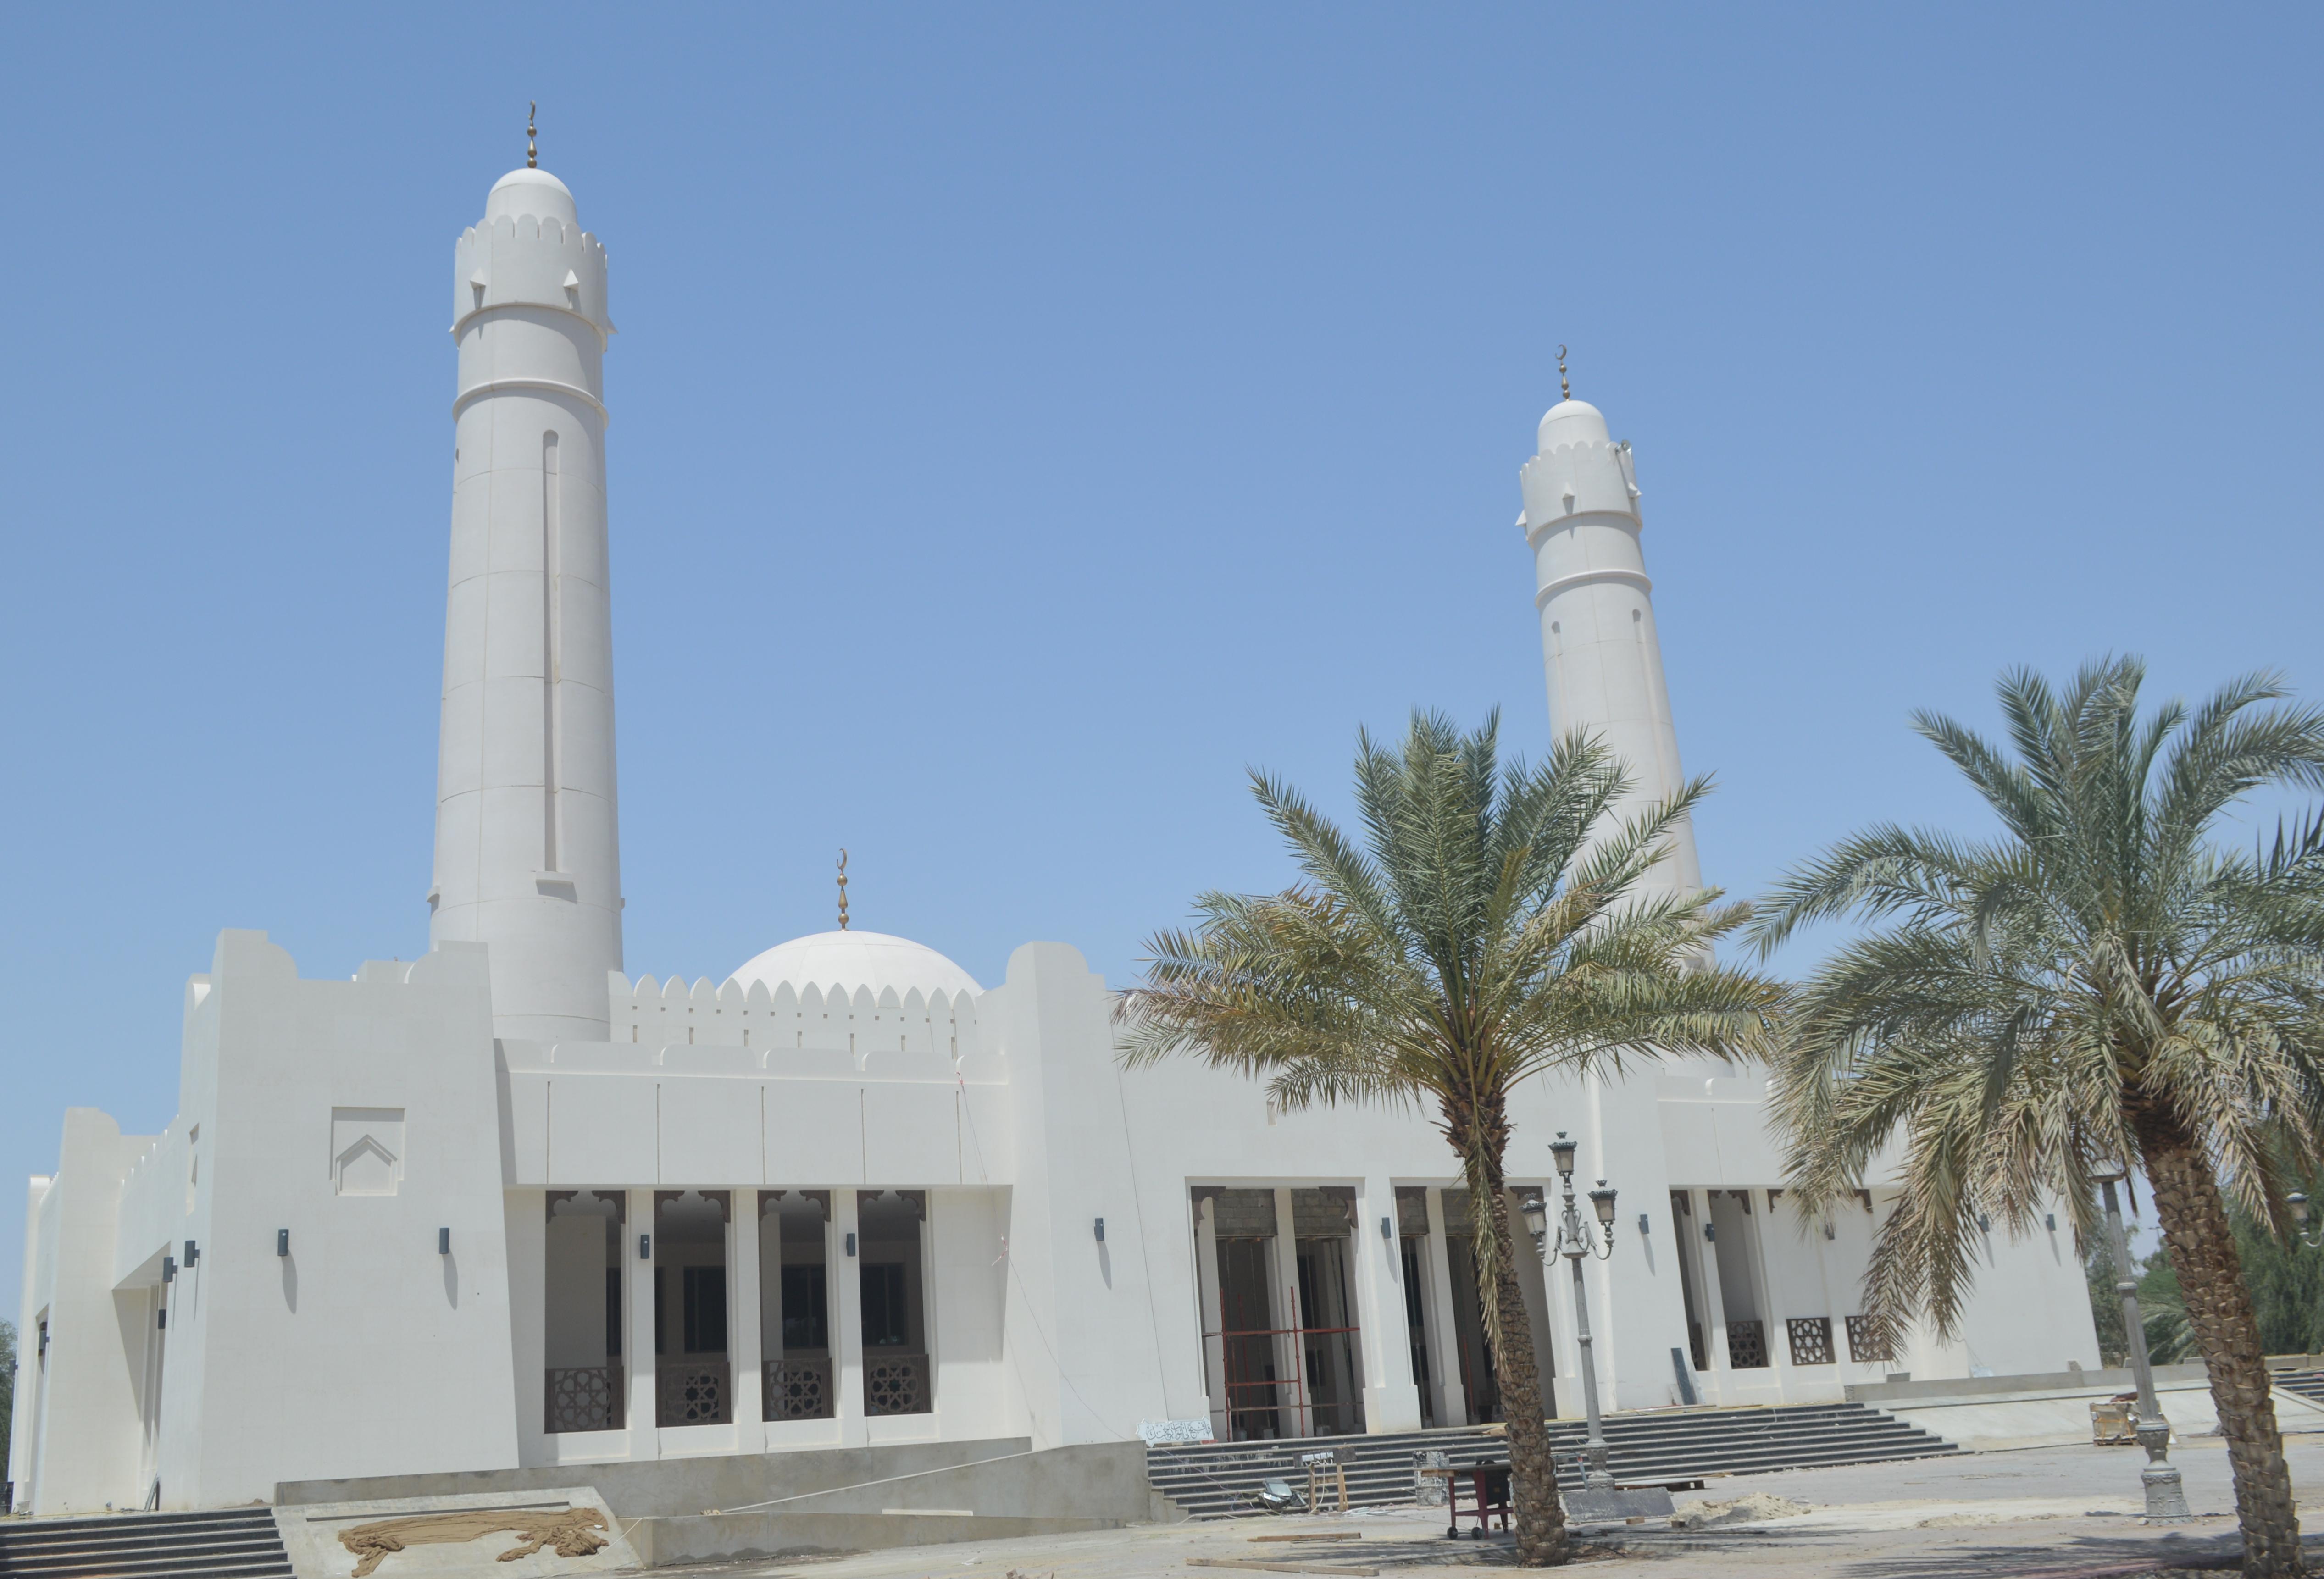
[1026, 419]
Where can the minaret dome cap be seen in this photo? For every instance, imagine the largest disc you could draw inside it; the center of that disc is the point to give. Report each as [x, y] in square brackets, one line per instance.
[1572, 422]
[530, 191]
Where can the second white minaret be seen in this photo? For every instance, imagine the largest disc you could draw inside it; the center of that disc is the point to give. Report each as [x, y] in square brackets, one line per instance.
[528, 851]
[1598, 641]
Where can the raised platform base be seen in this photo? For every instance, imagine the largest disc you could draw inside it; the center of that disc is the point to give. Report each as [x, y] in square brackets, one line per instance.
[856, 1499]
[1583, 1506]
[662, 1542]
[311, 1536]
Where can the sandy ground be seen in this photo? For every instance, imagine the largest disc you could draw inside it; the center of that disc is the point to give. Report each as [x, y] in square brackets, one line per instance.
[2060, 1512]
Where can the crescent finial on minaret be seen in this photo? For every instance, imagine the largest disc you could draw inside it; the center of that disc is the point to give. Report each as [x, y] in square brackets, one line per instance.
[532, 148]
[1564, 390]
[843, 890]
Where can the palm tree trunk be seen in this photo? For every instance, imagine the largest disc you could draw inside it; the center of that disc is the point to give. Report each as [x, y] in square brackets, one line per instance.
[2202, 1250]
[1533, 1469]
[1482, 1140]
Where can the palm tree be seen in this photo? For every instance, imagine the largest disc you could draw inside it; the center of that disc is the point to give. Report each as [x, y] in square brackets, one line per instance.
[2099, 982]
[1489, 927]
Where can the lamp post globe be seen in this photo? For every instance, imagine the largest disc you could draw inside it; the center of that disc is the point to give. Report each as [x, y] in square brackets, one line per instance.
[1576, 1242]
[1535, 1213]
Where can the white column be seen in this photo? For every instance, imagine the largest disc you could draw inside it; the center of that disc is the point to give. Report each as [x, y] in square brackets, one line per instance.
[1283, 1300]
[527, 856]
[845, 1292]
[638, 1340]
[1834, 1313]
[1391, 1395]
[1212, 1315]
[1714, 1301]
[1773, 1308]
[1443, 1331]
[742, 1346]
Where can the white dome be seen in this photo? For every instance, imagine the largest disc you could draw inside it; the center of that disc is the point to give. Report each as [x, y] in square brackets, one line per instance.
[530, 192]
[1571, 423]
[857, 959]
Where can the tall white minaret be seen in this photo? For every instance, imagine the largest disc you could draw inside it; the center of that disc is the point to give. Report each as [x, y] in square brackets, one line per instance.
[1598, 639]
[528, 856]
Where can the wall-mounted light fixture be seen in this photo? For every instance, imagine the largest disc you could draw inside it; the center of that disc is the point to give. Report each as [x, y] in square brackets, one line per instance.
[2050, 1218]
[162, 1319]
[851, 1244]
[1644, 1222]
[1828, 1232]
[281, 1242]
[193, 1252]
[645, 1247]
[1101, 1230]
[1711, 1232]
[443, 1241]
[1388, 1228]
[1984, 1223]
[169, 1268]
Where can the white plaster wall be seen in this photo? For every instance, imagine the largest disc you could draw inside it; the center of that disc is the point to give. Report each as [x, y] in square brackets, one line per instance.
[2021, 1319]
[84, 1421]
[967, 1241]
[1023, 1142]
[1031, 1134]
[26, 1379]
[362, 1352]
[1094, 1308]
[1637, 1310]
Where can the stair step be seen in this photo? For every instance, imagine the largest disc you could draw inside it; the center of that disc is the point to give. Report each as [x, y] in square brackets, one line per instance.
[138, 1523]
[236, 1543]
[116, 1561]
[44, 1561]
[12, 1540]
[1208, 1481]
[2308, 1384]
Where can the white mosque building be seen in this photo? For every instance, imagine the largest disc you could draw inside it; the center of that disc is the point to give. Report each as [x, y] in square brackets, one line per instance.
[506, 1207]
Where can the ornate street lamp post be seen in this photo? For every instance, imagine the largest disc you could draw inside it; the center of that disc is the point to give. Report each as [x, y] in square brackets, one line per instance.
[2166, 1500]
[2299, 1204]
[1573, 1242]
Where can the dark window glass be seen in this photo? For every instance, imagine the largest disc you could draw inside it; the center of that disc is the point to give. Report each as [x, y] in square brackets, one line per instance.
[886, 1323]
[803, 1321]
[706, 1310]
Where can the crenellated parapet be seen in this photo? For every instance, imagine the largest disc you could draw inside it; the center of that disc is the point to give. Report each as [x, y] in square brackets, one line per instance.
[527, 260]
[1589, 478]
[808, 1030]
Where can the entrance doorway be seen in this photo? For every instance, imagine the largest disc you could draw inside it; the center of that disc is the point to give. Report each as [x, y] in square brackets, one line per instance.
[693, 1383]
[583, 1387]
[795, 1303]
[896, 1371]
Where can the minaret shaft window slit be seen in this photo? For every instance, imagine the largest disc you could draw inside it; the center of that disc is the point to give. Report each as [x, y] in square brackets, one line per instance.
[551, 524]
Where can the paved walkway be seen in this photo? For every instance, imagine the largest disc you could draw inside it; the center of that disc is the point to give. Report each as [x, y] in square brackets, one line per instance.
[2053, 1512]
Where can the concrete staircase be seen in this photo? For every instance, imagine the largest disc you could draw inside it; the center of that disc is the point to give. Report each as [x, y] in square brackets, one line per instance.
[1663, 1447]
[2308, 1384]
[233, 1543]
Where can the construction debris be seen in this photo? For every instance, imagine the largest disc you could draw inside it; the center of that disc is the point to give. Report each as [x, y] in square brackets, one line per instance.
[1747, 1509]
